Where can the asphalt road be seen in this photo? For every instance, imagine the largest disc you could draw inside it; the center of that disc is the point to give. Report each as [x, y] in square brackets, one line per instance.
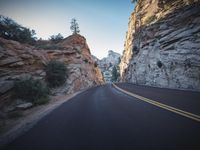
[185, 100]
[102, 118]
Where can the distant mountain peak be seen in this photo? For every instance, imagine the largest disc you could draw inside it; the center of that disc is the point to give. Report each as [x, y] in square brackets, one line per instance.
[107, 63]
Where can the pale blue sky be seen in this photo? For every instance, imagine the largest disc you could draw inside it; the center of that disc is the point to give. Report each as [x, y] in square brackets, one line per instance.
[103, 22]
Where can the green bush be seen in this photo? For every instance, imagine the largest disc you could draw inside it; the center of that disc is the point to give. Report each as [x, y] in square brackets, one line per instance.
[159, 64]
[42, 101]
[30, 90]
[9, 29]
[56, 38]
[14, 114]
[56, 73]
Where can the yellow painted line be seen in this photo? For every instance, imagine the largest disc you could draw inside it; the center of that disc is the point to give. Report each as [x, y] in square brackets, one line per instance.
[167, 107]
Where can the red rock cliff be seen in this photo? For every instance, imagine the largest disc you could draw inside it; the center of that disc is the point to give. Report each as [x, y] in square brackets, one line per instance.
[20, 60]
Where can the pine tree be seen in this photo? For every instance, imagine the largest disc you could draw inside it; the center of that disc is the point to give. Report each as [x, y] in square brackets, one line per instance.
[133, 1]
[115, 74]
[74, 26]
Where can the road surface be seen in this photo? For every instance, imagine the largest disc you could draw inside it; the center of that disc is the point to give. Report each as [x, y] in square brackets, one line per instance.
[103, 118]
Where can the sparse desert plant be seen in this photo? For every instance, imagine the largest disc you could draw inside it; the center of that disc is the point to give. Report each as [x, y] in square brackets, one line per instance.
[159, 64]
[56, 38]
[95, 64]
[30, 90]
[135, 50]
[56, 73]
[14, 114]
[42, 100]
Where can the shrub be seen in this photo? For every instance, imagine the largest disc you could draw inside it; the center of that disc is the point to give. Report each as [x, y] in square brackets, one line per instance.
[159, 64]
[15, 114]
[135, 50]
[56, 38]
[9, 29]
[42, 101]
[30, 90]
[95, 64]
[56, 73]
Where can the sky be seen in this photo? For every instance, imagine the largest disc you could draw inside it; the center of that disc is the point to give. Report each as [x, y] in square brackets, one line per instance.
[102, 22]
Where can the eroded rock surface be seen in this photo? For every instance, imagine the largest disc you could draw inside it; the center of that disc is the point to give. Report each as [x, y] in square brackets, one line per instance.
[18, 61]
[106, 64]
[162, 46]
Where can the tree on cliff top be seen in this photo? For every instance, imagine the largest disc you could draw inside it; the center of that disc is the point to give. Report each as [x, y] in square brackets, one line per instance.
[11, 30]
[56, 38]
[74, 26]
[133, 1]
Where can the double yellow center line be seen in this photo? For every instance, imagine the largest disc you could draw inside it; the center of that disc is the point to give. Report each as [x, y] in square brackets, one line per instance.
[166, 107]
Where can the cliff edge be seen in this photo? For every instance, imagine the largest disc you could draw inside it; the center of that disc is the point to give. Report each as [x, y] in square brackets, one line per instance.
[162, 46]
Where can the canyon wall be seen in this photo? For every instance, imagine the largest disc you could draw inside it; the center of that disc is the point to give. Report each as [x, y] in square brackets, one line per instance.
[107, 64]
[162, 46]
[18, 61]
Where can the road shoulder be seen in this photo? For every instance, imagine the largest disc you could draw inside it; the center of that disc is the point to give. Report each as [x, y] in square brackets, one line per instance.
[160, 105]
[32, 116]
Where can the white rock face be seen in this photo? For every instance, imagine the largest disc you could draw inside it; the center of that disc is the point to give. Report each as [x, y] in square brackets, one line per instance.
[112, 58]
[166, 51]
[106, 64]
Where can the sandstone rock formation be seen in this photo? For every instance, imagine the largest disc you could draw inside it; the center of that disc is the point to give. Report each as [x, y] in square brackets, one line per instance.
[162, 46]
[107, 63]
[20, 61]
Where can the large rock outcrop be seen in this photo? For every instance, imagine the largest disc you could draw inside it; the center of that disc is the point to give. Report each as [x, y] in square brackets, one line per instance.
[19, 61]
[106, 64]
[162, 46]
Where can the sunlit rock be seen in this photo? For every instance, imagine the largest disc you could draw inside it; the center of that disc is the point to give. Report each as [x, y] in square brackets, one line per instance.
[162, 46]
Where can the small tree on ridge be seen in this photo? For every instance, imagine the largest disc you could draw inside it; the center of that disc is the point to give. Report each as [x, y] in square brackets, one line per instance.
[74, 26]
[133, 1]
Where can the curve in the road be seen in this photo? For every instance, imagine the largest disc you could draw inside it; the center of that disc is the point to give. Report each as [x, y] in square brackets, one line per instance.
[167, 107]
[103, 118]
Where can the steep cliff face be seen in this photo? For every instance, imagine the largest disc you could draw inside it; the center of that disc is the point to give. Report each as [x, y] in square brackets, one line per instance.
[162, 46]
[107, 63]
[19, 61]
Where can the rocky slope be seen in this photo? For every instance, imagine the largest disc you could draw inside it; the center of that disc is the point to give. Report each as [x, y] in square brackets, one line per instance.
[107, 63]
[112, 58]
[19, 61]
[162, 46]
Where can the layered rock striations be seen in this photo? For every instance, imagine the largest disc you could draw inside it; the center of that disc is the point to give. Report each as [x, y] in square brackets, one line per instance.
[18, 61]
[106, 64]
[162, 46]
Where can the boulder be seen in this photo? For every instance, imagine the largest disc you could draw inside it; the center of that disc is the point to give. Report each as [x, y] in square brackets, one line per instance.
[24, 106]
